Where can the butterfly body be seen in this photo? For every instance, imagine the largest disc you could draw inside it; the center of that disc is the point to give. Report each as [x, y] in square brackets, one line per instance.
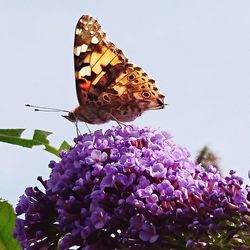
[108, 87]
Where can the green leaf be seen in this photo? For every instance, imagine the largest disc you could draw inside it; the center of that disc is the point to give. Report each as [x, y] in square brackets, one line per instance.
[64, 146]
[13, 136]
[11, 132]
[7, 223]
[41, 136]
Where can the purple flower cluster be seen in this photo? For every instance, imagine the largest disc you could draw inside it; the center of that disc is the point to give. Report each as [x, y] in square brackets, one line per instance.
[133, 188]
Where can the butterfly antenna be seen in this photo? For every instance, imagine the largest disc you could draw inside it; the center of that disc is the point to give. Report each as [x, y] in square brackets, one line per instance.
[45, 109]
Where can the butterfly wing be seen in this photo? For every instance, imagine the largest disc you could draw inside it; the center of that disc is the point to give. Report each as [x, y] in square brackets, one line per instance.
[132, 93]
[108, 87]
[93, 56]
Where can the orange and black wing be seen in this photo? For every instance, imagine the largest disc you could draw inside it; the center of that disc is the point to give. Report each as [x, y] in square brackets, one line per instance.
[97, 61]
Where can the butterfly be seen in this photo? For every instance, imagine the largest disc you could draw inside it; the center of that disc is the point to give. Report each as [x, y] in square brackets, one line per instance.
[108, 86]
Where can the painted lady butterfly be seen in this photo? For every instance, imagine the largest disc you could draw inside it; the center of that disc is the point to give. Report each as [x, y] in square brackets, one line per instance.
[108, 87]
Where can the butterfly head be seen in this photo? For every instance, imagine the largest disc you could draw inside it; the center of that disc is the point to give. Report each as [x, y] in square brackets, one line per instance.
[71, 116]
[78, 114]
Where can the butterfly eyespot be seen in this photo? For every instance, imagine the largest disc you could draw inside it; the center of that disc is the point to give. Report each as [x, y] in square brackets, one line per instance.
[146, 94]
[131, 77]
[136, 81]
[155, 89]
[106, 98]
[143, 86]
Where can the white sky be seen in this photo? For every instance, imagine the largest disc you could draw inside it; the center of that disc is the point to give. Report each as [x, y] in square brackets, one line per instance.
[197, 51]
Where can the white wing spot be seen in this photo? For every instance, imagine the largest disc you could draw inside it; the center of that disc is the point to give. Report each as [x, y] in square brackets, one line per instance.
[79, 49]
[85, 71]
[94, 40]
[78, 31]
[84, 47]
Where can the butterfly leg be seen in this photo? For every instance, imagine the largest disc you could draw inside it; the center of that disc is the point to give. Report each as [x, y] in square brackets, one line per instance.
[88, 127]
[78, 132]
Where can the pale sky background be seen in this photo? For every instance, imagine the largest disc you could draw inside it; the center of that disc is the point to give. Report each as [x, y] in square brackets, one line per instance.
[197, 51]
